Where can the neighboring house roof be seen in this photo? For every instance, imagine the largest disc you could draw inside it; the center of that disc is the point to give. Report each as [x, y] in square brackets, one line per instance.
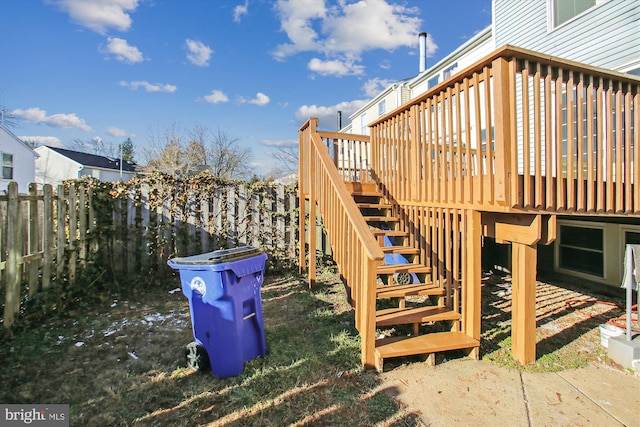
[95, 161]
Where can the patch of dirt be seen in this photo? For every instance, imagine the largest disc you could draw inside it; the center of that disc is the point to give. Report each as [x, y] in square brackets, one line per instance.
[567, 323]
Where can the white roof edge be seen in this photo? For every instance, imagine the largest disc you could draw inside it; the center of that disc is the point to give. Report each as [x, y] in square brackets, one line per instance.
[381, 95]
[11, 134]
[470, 44]
[59, 154]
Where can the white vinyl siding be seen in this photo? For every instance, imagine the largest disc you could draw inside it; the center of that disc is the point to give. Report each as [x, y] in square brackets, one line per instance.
[22, 160]
[605, 35]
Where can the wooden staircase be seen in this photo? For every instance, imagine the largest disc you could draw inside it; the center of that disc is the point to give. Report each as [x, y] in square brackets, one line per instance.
[405, 281]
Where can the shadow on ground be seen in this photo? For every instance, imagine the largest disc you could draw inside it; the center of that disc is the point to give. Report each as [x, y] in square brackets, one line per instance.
[123, 364]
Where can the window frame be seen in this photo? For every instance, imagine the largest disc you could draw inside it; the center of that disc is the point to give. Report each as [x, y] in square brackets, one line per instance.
[551, 14]
[582, 224]
[382, 108]
[11, 166]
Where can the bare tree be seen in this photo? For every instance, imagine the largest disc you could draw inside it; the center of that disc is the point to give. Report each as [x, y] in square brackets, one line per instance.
[179, 156]
[226, 158]
[7, 118]
[165, 152]
[287, 158]
[95, 145]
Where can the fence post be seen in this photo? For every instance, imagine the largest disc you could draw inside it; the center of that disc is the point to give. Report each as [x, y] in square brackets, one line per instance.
[61, 235]
[73, 237]
[33, 217]
[82, 225]
[12, 297]
[47, 235]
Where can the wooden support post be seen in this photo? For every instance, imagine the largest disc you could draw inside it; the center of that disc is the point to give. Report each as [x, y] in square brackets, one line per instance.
[504, 132]
[523, 324]
[312, 237]
[368, 312]
[301, 234]
[472, 302]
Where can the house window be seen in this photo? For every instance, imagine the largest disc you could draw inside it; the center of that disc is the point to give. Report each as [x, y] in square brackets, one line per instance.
[382, 107]
[363, 124]
[433, 81]
[448, 72]
[565, 10]
[581, 249]
[7, 166]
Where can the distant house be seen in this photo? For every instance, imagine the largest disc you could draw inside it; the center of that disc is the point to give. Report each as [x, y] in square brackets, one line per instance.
[16, 152]
[55, 165]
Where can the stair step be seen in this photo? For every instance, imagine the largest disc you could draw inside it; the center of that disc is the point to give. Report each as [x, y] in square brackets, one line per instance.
[399, 291]
[404, 316]
[391, 233]
[366, 193]
[374, 205]
[402, 268]
[421, 344]
[355, 187]
[381, 219]
[403, 250]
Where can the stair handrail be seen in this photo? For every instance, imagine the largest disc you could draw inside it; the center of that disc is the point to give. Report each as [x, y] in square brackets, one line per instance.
[318, 170]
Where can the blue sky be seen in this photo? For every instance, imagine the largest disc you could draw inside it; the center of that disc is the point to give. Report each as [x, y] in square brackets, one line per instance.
[255, 69]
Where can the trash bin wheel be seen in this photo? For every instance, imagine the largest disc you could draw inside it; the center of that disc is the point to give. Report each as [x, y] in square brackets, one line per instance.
[197, 357]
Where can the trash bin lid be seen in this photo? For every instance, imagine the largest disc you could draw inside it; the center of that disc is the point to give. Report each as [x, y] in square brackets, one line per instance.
[219, 256]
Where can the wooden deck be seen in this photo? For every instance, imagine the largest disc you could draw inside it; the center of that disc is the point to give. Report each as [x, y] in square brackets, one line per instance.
[499, 150]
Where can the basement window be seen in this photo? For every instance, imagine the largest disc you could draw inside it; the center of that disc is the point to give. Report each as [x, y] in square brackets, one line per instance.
[7, 166]
[581, 248]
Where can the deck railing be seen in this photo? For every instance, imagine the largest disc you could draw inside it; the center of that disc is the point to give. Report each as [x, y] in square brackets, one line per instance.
[517, 131]
[355, 250]
[351, 154]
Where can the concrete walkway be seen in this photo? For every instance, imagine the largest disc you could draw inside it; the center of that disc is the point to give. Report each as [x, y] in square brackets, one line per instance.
[468, 392]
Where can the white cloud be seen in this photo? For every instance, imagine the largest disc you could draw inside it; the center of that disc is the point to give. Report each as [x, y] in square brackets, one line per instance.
[36, 115]
[117, 132]
[280, 142]
[335, 67]
[240, 11]
[216, 97]
[372, 24]
[123, 51]
[344, 31]
[99, 15]
[260, 99]
[149, 87]
[199, 53]
[327, 116]
[51, 141]
[373, 87]
[296, 19]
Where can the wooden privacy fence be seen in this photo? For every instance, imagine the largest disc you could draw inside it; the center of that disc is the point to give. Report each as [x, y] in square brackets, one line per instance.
[129, 230]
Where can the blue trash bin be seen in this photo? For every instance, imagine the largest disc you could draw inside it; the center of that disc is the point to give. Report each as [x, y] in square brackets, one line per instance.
[223, 289]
